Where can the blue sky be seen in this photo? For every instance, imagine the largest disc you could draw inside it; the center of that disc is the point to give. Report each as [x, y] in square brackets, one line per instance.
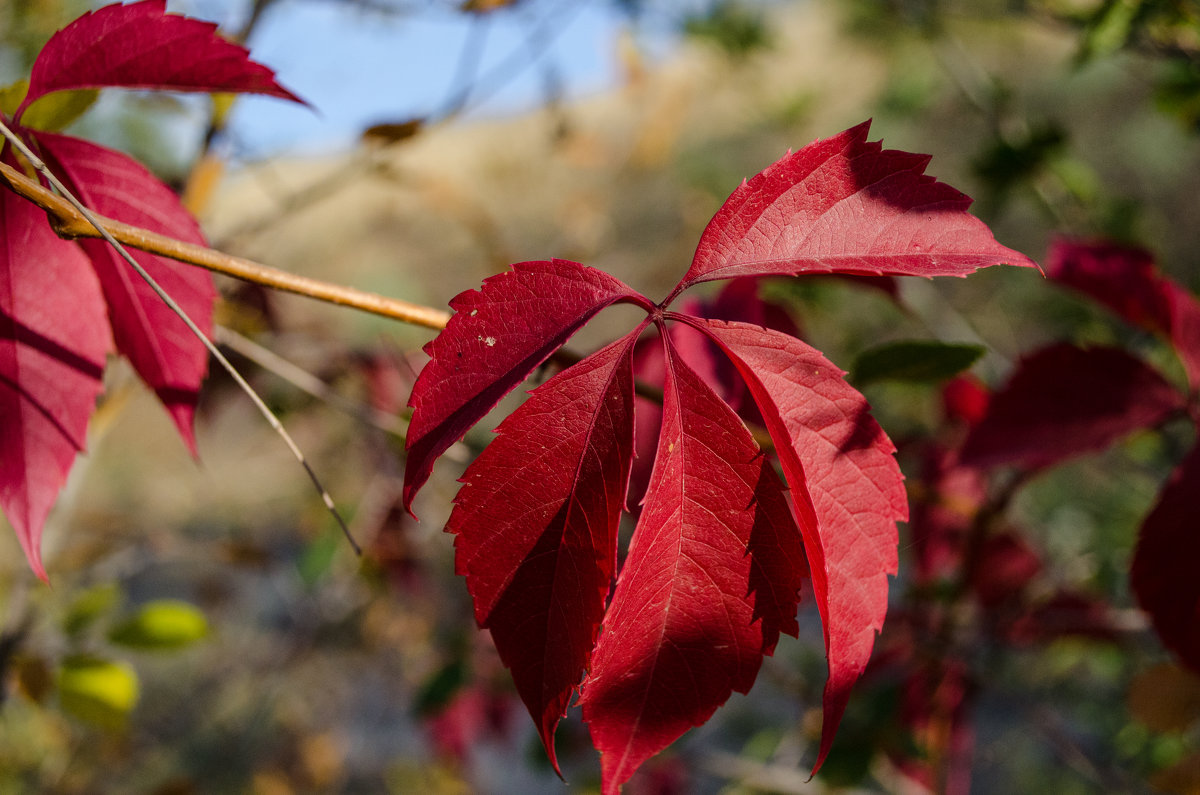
[360, 67]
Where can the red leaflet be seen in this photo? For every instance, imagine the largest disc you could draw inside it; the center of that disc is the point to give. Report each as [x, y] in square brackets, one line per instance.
[53, 340]
[712, 577]
[165, 354]
[845, 485]
[717, 557]
[141, 46]
[846, 205]
[1163, 574]
[1126, 280]
[1064, 401]
[496, 338]
[536, 523]
[649, 367]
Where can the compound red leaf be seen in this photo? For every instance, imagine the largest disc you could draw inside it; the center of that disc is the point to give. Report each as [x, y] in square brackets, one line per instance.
[1163, 574]
[846, 489]
[164, 352]
[712, 578]
[495, 339]
[1064, 401]
[845, 205]
[536, 524]
[714, 568]
[141, 46]
[53, 340]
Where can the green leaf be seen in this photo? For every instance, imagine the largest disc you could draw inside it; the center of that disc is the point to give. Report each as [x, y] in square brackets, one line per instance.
[54, 112]
[923, 361]
[164, 624]
[90, 605]
[317, 559]
[101, 692]
[1110, 28]
[12, 95]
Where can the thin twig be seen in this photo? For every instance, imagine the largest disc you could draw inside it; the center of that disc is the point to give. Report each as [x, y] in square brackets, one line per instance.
[307, 382]
[68, 221]
[215, 352]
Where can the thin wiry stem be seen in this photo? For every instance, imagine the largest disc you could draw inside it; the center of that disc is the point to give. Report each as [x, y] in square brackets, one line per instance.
[215, 352]
[68, 221]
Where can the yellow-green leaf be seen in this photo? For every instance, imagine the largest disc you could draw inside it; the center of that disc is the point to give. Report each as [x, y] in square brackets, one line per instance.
[222, 104]
[55, 111]
[101, 692]
[164, 624]
[12, 95]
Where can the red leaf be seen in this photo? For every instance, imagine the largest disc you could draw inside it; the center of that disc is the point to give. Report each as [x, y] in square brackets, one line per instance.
[950, 496]
[845, 485]
[158, 344]
[141, 46]
[495, 339]
[1123, 278]
[1185, 329]
[935, 709]
[845, 205]
[712, 577]
[473, 716]
[1126, 280]
[1007, 565]
[53, 341]
[536, 523]
[1064, 614]
[965, 399]
[714, 568]
[1064, 401]
[1163, 574]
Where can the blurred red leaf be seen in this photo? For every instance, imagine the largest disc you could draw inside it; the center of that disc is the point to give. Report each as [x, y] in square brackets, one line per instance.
[1163, 573]
[1064, 401]
[1126, 280]
[1123, 278]
[1065, 614]
[935, 709]
[1007, 564]
[965, 398]
[473, 714]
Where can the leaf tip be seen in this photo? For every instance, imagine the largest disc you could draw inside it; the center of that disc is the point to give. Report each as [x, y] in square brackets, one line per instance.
[546, 727]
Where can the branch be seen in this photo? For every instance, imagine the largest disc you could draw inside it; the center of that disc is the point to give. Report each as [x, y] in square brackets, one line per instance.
[88, 217]
[70, 223]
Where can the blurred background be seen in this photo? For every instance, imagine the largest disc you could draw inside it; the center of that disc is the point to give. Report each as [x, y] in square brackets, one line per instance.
[209, 630]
